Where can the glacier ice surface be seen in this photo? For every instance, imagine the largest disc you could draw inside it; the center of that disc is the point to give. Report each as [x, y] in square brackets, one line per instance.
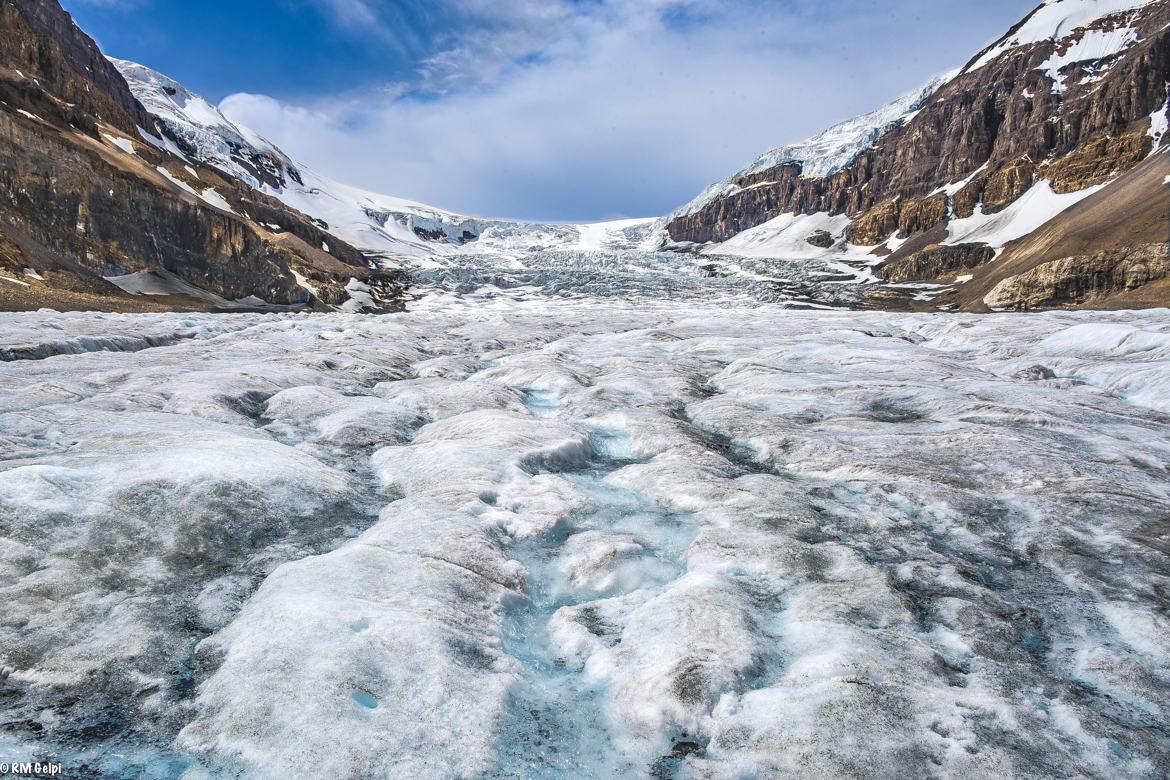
[582, 536]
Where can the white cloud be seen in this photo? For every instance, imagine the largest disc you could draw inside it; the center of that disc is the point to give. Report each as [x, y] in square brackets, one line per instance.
[625, 107]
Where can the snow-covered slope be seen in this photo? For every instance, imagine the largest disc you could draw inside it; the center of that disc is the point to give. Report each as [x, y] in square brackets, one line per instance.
[397, 228]
[1055, 20]
[830, 151]
[199, 131]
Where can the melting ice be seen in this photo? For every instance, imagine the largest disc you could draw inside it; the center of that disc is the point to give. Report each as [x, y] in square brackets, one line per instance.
[584, 537]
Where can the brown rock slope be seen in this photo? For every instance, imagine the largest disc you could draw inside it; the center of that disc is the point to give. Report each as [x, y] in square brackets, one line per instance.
[83, 198]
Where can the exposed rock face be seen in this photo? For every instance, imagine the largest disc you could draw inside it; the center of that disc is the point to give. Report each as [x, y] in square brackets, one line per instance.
[876, 225]
[1036, 373]
[1097, 160]
[821, 239]
[921, 215]
[1128, 213]
[936, 262]
[68, 63]
[77, 205]
[997, 190]
[1081, 280]
[1010, 117]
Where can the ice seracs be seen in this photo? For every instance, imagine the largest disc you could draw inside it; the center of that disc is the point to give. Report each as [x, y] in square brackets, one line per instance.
[202, 132]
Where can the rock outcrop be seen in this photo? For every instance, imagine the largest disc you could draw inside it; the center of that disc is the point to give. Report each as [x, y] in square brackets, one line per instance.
[1082, 280]
[822, 239]
[1004, 117]
[936, 262]
[40, 36]
[1127, 216]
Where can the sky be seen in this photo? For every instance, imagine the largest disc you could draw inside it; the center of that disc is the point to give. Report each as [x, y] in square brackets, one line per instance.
[548, 110]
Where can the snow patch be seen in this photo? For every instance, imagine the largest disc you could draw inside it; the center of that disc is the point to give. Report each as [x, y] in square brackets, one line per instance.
[1094, 46]
[785, 236]
[213, 198]
[304, 283]
[1160, 124]
[1027, 213]
[360, 297]
[177, 181]
[125, 144]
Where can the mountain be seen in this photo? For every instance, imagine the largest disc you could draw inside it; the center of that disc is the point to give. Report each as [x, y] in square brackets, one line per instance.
[820, 156]
[98, 211]
[441, 251]
[397, 230]
[1030, 178]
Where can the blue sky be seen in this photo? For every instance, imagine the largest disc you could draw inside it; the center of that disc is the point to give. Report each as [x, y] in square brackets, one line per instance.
[544, 109]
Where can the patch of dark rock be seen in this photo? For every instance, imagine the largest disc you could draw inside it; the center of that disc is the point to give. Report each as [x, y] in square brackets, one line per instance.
[23, 726]
[116, 344]
[822, 239]
[252, 404]
[668, 766]
[1035, 373]
[430, 235]
[470, 654]
[936, 262]
[593, 622]
[108, 722]
[690, 682]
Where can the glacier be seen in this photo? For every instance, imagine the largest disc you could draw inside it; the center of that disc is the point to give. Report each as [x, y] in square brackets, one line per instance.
[399, 232]
[1055, 21]
[532, 532]
[596, 505]
[416, 238]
